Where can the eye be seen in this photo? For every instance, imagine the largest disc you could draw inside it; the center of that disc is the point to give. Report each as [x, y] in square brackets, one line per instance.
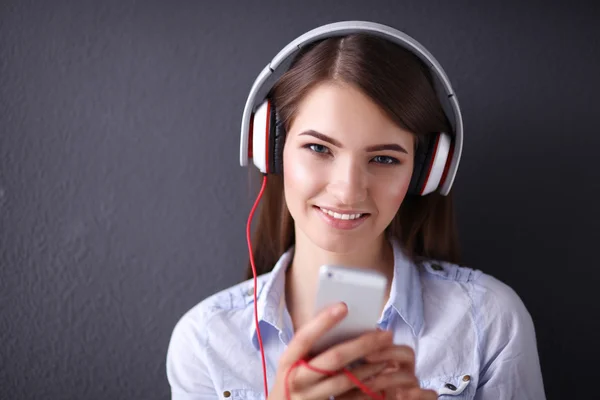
[385, 160]
[317, 148]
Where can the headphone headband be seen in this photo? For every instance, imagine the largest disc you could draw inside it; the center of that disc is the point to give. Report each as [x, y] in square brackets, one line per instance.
[441, 82]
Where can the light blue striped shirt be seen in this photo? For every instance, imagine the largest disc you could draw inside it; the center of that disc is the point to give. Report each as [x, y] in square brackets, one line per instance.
[472, 335]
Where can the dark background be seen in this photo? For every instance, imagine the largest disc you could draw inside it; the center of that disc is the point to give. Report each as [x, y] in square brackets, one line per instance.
[122, 203]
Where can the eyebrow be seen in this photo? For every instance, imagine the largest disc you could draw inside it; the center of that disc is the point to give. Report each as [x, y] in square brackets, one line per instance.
[377, 147]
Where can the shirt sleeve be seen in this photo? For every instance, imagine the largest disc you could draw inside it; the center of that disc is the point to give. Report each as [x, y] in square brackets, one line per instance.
[187, 371]
[510, 367]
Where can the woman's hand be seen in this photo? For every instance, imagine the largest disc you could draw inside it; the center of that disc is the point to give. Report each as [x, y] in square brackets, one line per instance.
[301, 383]
[397, 380]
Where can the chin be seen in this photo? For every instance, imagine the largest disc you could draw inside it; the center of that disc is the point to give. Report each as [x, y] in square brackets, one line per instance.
[338, 242]
[336, 245]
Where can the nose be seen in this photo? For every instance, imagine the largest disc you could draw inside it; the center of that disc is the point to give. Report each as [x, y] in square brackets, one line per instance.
[348, 182]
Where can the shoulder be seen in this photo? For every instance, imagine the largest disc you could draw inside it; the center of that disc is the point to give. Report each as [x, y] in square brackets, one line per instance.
[470, 278]
[209, 326]
[492, 301]
[495, 324]
[222, 304]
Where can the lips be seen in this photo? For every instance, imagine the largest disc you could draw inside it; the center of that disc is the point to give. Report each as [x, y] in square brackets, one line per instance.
[345, 220]
[348, 215]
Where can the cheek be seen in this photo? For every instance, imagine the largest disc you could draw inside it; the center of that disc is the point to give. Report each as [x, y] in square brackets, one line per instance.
[301, 177]
[395, 192]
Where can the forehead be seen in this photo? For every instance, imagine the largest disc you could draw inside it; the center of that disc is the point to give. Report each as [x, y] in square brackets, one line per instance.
[346, 113]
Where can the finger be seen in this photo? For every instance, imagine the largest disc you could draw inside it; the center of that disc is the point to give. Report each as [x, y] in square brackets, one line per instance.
[428, 395]
[402, 357]
[417, 394]
[342, 355]
[341, 383]
[395, 380]
[353, 394]
[358, 394]
[303, 340]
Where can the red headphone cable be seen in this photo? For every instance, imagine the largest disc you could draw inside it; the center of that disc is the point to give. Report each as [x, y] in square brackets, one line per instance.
[262, 352]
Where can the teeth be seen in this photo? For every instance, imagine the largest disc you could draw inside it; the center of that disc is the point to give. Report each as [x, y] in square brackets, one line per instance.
[340, 216]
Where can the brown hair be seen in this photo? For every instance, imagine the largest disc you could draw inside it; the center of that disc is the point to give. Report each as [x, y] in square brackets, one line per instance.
[401, 85]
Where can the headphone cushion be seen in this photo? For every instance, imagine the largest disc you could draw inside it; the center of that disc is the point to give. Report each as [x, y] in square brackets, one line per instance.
[422, 160]
[278, 142]
[431, 172]
[272, 137]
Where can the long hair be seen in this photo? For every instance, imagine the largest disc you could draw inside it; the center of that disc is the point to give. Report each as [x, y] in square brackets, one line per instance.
[398, 82]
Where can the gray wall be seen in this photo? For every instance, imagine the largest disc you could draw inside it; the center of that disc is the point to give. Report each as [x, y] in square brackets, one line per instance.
[122, 203]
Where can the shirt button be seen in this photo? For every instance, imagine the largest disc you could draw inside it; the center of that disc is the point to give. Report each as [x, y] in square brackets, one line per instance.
[466, 378]
[437, 267]
[250, 291]
[227, 393]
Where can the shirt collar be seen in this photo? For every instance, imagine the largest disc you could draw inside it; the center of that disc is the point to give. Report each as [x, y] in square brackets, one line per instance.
[272, 312]
[406, 297]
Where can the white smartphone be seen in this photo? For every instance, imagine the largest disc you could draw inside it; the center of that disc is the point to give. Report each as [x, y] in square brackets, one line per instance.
[362, 290]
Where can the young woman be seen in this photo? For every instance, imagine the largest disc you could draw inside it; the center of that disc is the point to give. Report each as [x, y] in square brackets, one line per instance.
[353, 111]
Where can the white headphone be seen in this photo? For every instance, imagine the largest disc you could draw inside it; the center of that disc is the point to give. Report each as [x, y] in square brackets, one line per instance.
[262, 139]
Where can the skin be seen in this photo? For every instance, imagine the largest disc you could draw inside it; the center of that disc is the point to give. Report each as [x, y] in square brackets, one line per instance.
[329, 161]
[346, 176]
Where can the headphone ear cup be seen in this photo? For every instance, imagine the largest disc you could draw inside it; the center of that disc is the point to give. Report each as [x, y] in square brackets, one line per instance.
[279, 142]
[260, 127]
[431, 172]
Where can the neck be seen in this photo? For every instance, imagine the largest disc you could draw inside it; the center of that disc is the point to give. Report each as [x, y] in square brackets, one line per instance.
[302, 274]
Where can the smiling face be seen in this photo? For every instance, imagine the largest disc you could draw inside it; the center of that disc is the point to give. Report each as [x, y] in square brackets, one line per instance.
[347, 168]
